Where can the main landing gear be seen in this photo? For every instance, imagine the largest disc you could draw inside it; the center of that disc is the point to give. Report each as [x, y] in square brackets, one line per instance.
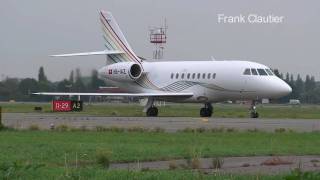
[207, 110]
[150, 109]
[253, 110]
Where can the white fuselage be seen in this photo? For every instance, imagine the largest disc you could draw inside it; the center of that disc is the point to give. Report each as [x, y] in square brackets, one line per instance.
[209, 81]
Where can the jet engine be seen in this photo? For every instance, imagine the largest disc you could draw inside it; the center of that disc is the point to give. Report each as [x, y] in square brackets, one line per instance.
[123, 71]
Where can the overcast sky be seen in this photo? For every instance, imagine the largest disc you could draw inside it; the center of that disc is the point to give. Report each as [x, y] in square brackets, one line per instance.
[32, 30]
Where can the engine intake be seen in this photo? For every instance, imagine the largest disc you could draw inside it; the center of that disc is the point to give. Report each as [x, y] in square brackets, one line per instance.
[135, 71]
[123, 71]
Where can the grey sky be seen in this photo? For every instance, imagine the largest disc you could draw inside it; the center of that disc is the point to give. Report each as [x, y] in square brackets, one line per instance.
[32, 30]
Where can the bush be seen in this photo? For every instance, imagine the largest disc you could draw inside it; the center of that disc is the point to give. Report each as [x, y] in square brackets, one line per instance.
[201, 130]
[115, 129]
[82, 128]
[158, 130]
[253, 130]
[280, 130]
[137, 129]
[194, 163]
[103, 158]
[111, 129]
[231, 130]
[100, 128]
[172, 165]
[217, 163]
[33, 127]
[62, 127]
[188, 130]
[216, 130]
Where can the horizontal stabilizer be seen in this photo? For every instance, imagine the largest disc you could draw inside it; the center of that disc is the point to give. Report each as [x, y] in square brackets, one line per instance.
[105, 52]
[160, 94]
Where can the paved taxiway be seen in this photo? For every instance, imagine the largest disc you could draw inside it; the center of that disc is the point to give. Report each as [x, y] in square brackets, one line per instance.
[169, 124]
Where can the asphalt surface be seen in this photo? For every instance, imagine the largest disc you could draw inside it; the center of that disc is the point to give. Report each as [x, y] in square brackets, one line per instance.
[169, 124]
[240, 165]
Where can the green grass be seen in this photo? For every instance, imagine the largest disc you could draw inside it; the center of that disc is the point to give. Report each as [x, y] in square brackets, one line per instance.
[181, 110]
[52, 147]
[99, 173]
[71, 154]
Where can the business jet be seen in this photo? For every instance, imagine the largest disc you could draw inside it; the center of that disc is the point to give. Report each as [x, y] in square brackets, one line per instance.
[179, 81]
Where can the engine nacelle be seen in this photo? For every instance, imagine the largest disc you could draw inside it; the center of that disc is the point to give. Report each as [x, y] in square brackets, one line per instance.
[123, 71]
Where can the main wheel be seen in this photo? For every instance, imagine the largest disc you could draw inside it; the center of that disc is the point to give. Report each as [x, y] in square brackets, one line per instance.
[152, 112]
[205, 112]
[209, 107]
[254, 114]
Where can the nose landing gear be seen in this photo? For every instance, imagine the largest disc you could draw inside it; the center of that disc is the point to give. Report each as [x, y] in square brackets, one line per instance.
[207, 110]
[253, 110]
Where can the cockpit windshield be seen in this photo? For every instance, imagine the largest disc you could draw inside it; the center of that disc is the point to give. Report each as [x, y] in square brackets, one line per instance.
[256, 72]
[247, 72]
[269, 72]
[262, 72]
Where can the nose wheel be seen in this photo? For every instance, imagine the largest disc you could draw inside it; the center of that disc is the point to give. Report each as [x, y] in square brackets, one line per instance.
[206, 111]
[253, 110]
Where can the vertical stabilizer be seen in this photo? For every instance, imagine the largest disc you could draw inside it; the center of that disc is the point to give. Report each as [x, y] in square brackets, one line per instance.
[115, 40]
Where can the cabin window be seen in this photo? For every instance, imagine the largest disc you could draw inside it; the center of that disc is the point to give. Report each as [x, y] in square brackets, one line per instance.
[193, 75]
[254, 71]
[209, 76]
[172, 75]
[203, 75]
[213, 75]
[269, 72]
[177, 75]
[247, 72]
[198, 76]
[188, 76]
[182, 76]
[262, 72]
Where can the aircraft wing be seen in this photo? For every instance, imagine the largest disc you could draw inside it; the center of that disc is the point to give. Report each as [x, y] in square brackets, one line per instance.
[105, 52]
[161, 94]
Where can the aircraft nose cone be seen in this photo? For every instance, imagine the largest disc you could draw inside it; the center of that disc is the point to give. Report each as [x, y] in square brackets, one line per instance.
[284, 89]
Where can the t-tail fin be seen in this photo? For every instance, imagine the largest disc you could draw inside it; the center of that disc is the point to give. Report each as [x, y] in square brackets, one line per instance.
[115, 40]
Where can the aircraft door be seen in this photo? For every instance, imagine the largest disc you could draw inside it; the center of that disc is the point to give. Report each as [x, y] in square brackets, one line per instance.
[246, 81]
[249, 83]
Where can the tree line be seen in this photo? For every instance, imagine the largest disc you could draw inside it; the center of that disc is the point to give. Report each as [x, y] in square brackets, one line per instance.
[22, 89]
[307, 90]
